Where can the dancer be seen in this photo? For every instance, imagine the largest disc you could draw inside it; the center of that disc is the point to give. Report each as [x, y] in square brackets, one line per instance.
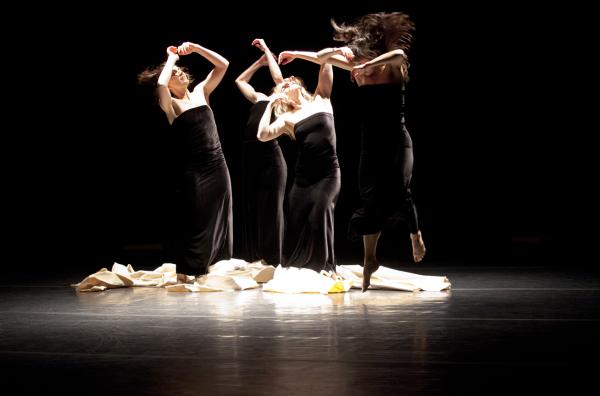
[308, 118]
[264, 172]
[205, 182]
[375, 55]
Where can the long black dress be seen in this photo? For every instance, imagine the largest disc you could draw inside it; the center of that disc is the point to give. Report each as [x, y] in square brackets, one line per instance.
[264, 172]
[207, 222]
[386, 163]
[312, 199]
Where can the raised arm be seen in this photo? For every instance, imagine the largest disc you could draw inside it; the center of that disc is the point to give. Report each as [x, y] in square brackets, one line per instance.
[396, 57]
[243, 81]
[269, 131]
[286, 57]
[164, 94]
[339, 57]
[216, 75]
[273, 66]
[325, 81]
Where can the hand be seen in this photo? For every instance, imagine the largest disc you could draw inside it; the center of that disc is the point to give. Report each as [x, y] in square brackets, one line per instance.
[286, 57]
[260, 44]
[362, 66]
[360, 70]
[172, 51]
[185, 48]
[346, 52]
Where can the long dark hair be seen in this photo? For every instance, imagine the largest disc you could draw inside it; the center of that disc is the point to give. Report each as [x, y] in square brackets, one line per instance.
[376, 34]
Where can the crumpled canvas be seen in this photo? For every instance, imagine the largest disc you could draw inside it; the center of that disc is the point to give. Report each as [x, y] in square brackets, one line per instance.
[126, 276]
[303, 280]
[391, 279]
[228, 275]
[235, 274]
[225, 275]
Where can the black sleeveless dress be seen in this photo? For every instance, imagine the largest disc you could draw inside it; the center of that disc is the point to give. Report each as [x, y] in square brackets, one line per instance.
[207, 221]
[310, 230]
[386, 163]
[264, 173]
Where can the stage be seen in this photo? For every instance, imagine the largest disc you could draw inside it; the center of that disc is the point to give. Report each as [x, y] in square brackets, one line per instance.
[499, 329]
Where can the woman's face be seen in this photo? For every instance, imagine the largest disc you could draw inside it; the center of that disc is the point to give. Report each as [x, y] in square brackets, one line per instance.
[289, 86]
[179, 77]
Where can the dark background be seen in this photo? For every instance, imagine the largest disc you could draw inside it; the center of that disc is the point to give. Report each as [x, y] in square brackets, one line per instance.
[92, 184]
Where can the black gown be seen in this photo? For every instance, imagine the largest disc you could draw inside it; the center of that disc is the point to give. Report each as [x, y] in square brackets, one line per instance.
[264, 172]
[309, 234]
[207, 221]
[386, 163]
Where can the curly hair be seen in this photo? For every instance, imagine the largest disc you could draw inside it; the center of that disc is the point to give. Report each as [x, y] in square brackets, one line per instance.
[376, 34]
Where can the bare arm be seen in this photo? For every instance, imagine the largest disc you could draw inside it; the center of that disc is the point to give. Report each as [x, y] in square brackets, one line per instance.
[164, 94]
[396, 57]
[337, 56]
[286, 57]
[213, 78]
[243, 82]
[269, 131]
[273, 66]
[325, 81]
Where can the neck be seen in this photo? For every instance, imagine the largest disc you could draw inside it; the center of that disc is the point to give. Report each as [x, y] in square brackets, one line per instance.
[180, 94]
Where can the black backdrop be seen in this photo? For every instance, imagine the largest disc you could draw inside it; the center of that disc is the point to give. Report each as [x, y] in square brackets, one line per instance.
[93, 185]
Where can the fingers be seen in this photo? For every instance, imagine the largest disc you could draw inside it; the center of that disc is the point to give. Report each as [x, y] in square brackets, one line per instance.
[184, 49]
[259, 43]
[284, 58]
[347, 53]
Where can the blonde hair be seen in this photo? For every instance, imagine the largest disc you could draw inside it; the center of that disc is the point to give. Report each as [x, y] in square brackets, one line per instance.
[284, 106]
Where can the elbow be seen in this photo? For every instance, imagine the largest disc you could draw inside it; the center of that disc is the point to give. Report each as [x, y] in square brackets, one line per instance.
[262, 136]
[399, 52]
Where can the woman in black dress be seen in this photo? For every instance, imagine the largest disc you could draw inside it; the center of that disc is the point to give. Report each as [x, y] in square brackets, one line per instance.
[309, 236]
[376, 57]
[205, 182]
[264, 172]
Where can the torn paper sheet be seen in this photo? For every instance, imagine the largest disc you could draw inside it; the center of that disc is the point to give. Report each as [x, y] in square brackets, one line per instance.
[304, 280]
[225, 275]
[391, 279]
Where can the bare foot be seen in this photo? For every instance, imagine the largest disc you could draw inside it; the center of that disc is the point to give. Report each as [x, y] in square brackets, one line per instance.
[183, 278]
[370, 266]
[418, 246]
[332, 275]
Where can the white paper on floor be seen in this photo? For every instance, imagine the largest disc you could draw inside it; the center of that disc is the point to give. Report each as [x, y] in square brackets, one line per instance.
[235, 274]
[391, 279]
[303, 280]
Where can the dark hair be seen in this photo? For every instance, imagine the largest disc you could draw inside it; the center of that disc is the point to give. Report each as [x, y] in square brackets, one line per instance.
[375, 34]
[150, 75]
